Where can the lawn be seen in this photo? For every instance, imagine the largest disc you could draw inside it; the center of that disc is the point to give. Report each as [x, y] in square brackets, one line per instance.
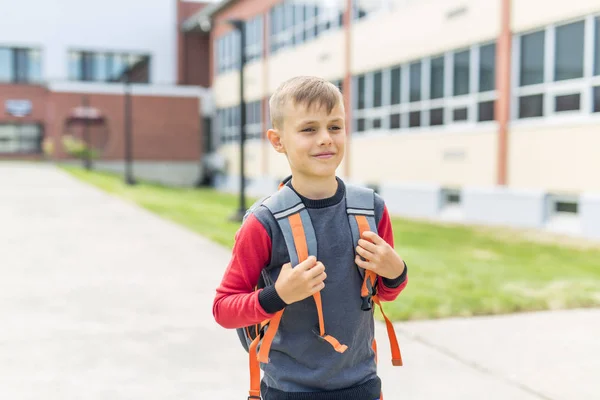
[454, 270]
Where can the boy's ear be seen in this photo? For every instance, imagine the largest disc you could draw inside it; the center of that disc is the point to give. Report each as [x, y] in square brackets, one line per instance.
[275, 138]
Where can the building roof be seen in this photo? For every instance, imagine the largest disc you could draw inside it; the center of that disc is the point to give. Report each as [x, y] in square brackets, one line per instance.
[198, 21]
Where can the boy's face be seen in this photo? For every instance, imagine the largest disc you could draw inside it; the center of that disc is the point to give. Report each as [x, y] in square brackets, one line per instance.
[313, 141]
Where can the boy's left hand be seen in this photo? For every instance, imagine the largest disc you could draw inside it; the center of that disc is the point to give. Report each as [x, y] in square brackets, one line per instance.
[380, 257]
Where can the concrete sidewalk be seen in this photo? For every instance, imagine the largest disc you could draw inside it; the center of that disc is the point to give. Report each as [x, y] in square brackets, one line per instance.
[100, 299]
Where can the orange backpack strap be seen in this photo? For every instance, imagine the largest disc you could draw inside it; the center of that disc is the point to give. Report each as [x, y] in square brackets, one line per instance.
[360, 206]
[301, 241]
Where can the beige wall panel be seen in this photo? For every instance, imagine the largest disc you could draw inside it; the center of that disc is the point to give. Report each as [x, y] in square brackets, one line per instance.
[530, 14]
[453, 159]
[322, 57]
[557, 159]
[422, 29]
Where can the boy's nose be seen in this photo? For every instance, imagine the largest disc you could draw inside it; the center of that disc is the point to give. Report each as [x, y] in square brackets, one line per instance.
[324, 137]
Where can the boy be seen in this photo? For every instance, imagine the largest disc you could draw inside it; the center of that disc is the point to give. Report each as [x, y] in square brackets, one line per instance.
[308, 120]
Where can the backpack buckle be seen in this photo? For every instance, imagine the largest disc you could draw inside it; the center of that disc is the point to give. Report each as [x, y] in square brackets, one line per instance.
[254, 397]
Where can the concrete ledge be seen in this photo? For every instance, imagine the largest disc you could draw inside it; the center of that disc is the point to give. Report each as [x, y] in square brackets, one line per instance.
[503, 206]
[590, 215]
[170, 173]
[412, 200]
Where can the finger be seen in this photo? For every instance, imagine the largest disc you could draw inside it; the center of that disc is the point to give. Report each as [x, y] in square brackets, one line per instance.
[369, 246]
[320, 278]
[372, 236]
[308, 263]
[364, 253]
[317, 288]
[316, 270]
[364, 264]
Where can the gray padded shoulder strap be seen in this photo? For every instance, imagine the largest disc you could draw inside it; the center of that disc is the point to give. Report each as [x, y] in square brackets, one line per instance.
[360, 201]
[283, 204]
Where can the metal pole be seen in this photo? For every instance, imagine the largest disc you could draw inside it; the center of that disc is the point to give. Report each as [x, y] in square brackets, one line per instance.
[129, 180]
[87, 157]
[242, 118]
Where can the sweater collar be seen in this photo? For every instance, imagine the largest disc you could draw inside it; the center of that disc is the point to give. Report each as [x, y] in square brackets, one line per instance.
[321, 203]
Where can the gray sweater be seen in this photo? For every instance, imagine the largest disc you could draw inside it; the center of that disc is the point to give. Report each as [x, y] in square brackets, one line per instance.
[301, 363]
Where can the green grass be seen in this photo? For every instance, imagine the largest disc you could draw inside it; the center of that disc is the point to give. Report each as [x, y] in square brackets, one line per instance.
[454, 270]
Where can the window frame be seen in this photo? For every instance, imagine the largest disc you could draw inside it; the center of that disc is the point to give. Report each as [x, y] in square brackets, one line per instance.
[551, 88]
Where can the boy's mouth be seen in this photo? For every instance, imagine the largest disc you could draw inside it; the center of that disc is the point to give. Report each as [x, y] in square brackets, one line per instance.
[324, 155]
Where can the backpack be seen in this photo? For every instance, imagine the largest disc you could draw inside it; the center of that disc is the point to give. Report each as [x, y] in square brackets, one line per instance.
[294, 221]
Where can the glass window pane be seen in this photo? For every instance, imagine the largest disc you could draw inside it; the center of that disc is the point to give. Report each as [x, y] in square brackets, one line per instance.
[396, 85]
[360, 125]
[394, 121]
[9, 141]
[460, 114]
[436, 117]
[361, 92]
[437, 78]
[531, 106]
[569, 102]
[35, 66]
[485, 111]
[569, 51]
[6, 65]
[461, 72]
[596, 96]
[118, 65]
[377, 123]
[22, 64]
[377, 89]
[415, 81]
[597, 48]
[414, 119]
[101, 67]
[487, 68]
[532, 58]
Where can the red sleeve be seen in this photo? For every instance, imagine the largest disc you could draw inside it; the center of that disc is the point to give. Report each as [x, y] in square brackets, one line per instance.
[236, 303]
[385, 231]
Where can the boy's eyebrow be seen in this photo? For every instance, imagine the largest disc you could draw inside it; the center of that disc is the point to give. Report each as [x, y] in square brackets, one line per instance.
[312, 121]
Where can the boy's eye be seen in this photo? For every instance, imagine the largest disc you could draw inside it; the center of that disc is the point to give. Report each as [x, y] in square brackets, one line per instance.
[307, 130]
[335, 127]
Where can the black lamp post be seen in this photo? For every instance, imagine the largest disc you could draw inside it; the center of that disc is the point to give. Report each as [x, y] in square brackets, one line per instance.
[129, 179]
[87, 157]
[240, 25]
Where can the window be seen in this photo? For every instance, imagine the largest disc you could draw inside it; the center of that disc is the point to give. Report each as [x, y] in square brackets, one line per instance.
[228, 52]
[555, 71]
[254, 38]
[569, 102]
[597, 47]
[451, 88]
[294, 22]
[596, 96]
[377, 89]
[108, 67]
[437, 78]
[531, 106]
[415, 81]
[361, 92]
[20, 139]
[19, 65]
[569, 51]
[487, 67]
[485, 111]
[254, 129]
[532, 58]
[461, 72]
[396, 75]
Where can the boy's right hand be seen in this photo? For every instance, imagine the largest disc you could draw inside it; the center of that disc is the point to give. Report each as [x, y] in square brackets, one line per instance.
[300, 282]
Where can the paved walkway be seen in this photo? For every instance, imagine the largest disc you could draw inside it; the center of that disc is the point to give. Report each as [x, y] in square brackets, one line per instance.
[102, 300]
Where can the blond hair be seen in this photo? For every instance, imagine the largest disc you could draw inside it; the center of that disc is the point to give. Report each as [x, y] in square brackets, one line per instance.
[304, 90]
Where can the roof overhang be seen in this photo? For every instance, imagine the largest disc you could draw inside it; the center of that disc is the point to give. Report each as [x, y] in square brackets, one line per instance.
[202, 20]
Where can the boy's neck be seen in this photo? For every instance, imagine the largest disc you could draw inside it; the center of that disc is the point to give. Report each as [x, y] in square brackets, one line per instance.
[315, 188]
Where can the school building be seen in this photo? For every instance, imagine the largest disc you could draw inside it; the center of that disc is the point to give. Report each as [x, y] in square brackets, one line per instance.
[476, 111]
[64, 64]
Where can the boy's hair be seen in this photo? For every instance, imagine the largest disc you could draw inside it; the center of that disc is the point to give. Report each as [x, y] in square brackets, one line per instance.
[305, 90]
